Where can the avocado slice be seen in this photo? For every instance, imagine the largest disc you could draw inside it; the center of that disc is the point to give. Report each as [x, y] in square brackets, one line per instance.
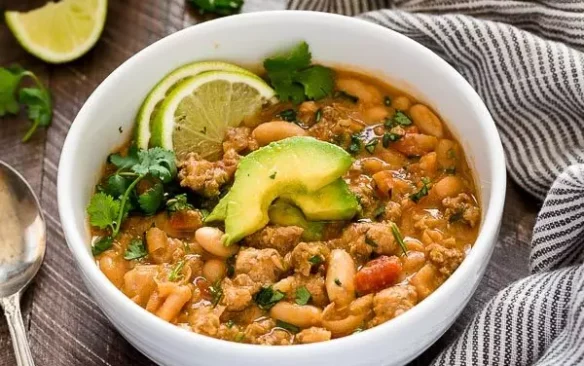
[284, 214]
[334, 201]
[296, 164]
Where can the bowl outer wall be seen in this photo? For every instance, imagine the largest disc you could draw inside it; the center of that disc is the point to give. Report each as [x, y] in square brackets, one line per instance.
[247, 39]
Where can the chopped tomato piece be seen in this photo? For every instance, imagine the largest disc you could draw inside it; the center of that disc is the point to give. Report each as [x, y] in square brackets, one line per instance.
[378, 274]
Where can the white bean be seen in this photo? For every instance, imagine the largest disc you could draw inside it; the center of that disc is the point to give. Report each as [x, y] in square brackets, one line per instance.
[340, 278]
[303, 316]
[275, 131]
[214, 270]
[210, 239]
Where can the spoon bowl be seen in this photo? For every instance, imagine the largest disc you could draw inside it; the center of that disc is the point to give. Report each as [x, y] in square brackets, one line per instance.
[22, 249]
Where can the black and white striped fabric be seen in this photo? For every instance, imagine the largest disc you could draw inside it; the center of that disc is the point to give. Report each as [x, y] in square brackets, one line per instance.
[526, 60]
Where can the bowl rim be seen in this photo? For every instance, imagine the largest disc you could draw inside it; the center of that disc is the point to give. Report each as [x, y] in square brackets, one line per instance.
[481, 250]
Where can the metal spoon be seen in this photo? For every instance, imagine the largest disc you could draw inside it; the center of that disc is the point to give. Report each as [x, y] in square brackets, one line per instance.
[22, 248]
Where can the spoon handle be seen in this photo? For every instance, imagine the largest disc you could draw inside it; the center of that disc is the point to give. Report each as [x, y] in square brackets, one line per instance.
[11, 305]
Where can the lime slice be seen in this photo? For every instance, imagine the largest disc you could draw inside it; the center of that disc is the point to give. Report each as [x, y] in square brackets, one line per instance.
[59, 32]
[158, 93]
[196, 114]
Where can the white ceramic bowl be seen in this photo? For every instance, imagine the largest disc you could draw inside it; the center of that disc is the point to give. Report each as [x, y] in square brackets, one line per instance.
[248, 39]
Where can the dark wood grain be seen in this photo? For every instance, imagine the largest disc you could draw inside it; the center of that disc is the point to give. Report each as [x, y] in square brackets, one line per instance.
[65, 326]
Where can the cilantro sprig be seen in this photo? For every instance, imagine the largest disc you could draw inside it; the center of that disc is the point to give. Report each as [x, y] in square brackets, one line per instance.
[37, 99]
[108, 208]
[178, 203]
[220, 7]
[267, 297]
[423, 191]
[136, 250]
[295, 79]
[302, 295]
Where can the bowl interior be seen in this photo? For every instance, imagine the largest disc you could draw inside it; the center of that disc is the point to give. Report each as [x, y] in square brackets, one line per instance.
[106, 120]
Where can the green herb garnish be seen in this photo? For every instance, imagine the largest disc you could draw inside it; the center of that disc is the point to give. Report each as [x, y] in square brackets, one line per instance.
[273, 175]
[36, 99]
[239, 337]
[287, 326]
[101, 245]
[380, 210]
[105, 211]
[288, 115]
[178, 203]
[295, 79]
[457, 216]
[390, 137]
[136, 250]
[370, 146]
[370, 242]
[318, 115]
[230, 323]
[216, 292]
[176, 271]
[220, 7]
[355, 145]
[302, 295]
[316, 259]
[338, 282]
[422, 192]
[399, 238]
[116, 185]
[267, 297]
[230, 266]
[401, 119]
[151, 200]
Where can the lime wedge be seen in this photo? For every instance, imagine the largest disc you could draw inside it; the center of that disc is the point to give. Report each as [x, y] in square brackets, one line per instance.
[59, 32]
[160, 91]
[196, 114]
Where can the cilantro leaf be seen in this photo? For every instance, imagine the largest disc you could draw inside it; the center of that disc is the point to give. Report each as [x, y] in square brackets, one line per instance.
[302, 295]
[9, 80]
[294, 79]
[298, 57]
[216, 292]
[125, 162]
[39, 109]
[287, 326]
[176, 271]
[220, 7]
[288, 115]
[158, 162]
[422, 192]
[355, 145]
[370, 146]
[178, 203]
[317, 81]
[285, 86]
[316, 259]
[150, 200]
[136, 250]
[103, 211]
[101, 245]
[401, 119]
[266, 298]
[116, 185]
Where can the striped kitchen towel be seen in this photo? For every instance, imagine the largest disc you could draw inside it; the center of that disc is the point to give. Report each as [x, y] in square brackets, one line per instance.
[526, 60]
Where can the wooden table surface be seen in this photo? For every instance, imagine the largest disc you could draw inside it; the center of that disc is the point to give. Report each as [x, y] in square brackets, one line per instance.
[65, 326]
